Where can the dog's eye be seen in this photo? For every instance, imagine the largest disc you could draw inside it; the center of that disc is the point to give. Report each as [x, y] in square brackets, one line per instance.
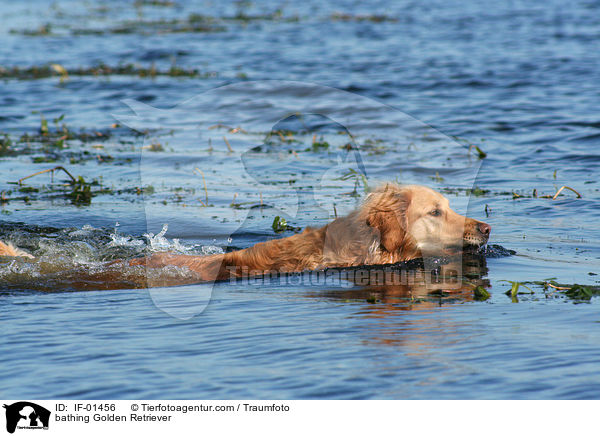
[435, 212]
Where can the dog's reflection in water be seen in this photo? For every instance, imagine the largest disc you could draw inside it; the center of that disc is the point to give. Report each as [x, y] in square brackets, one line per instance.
[409, 309]
[415, 285]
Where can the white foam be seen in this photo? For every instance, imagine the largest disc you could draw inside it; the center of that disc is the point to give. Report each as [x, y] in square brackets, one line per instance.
[211, 249]
[124, 241]
[160, 243]
[86, 230]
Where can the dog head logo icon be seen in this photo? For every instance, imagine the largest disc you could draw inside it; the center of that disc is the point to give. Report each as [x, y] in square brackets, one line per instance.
[24, 414]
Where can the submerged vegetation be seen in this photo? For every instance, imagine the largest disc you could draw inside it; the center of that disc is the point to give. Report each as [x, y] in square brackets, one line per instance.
[574, 291]
[551, 289]
[76, 189]
[55, 141]
[58, 141]
[480, 192]
[481, 294]
[193, 23]
[374, 18]
[57, 70]
[280, 225]
[359, 178]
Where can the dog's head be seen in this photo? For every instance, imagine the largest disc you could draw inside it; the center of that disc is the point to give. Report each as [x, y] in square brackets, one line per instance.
[415, 221]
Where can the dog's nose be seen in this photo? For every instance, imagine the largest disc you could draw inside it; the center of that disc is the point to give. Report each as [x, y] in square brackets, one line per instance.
[484, 228]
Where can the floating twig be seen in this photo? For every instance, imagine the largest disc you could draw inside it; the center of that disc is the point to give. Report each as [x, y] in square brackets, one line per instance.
[566, 187]
[203, 181]
[281, 136]
[219, 126]
[73, 179]
[560, 288]
[227, 143]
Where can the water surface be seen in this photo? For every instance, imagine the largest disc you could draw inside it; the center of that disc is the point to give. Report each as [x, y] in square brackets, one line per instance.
[400, 90]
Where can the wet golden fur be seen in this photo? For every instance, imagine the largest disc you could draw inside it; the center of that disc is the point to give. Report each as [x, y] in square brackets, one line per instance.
[395, 223]
[10, 250]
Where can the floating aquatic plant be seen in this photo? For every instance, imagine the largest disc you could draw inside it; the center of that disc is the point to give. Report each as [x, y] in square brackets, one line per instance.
[57, 70]
[280, 225]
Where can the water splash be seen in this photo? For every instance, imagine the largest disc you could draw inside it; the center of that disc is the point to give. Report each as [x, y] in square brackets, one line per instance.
[82, 259]
[118, 240]
[159, 242]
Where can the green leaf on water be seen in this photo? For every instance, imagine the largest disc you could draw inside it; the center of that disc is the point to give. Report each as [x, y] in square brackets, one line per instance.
[480, 153]
[478, 191]
[514, 289]
[480, 293]
[580, 292]
[279, 224]
[44, 126]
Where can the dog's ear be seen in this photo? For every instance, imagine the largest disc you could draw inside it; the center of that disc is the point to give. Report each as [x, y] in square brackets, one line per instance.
[387, 213]
[391, 232]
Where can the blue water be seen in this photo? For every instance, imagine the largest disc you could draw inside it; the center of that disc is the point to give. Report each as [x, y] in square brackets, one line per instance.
[268, 343]
[415, 88]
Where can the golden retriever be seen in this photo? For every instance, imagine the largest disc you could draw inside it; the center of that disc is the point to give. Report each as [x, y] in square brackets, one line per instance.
[395, 223]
